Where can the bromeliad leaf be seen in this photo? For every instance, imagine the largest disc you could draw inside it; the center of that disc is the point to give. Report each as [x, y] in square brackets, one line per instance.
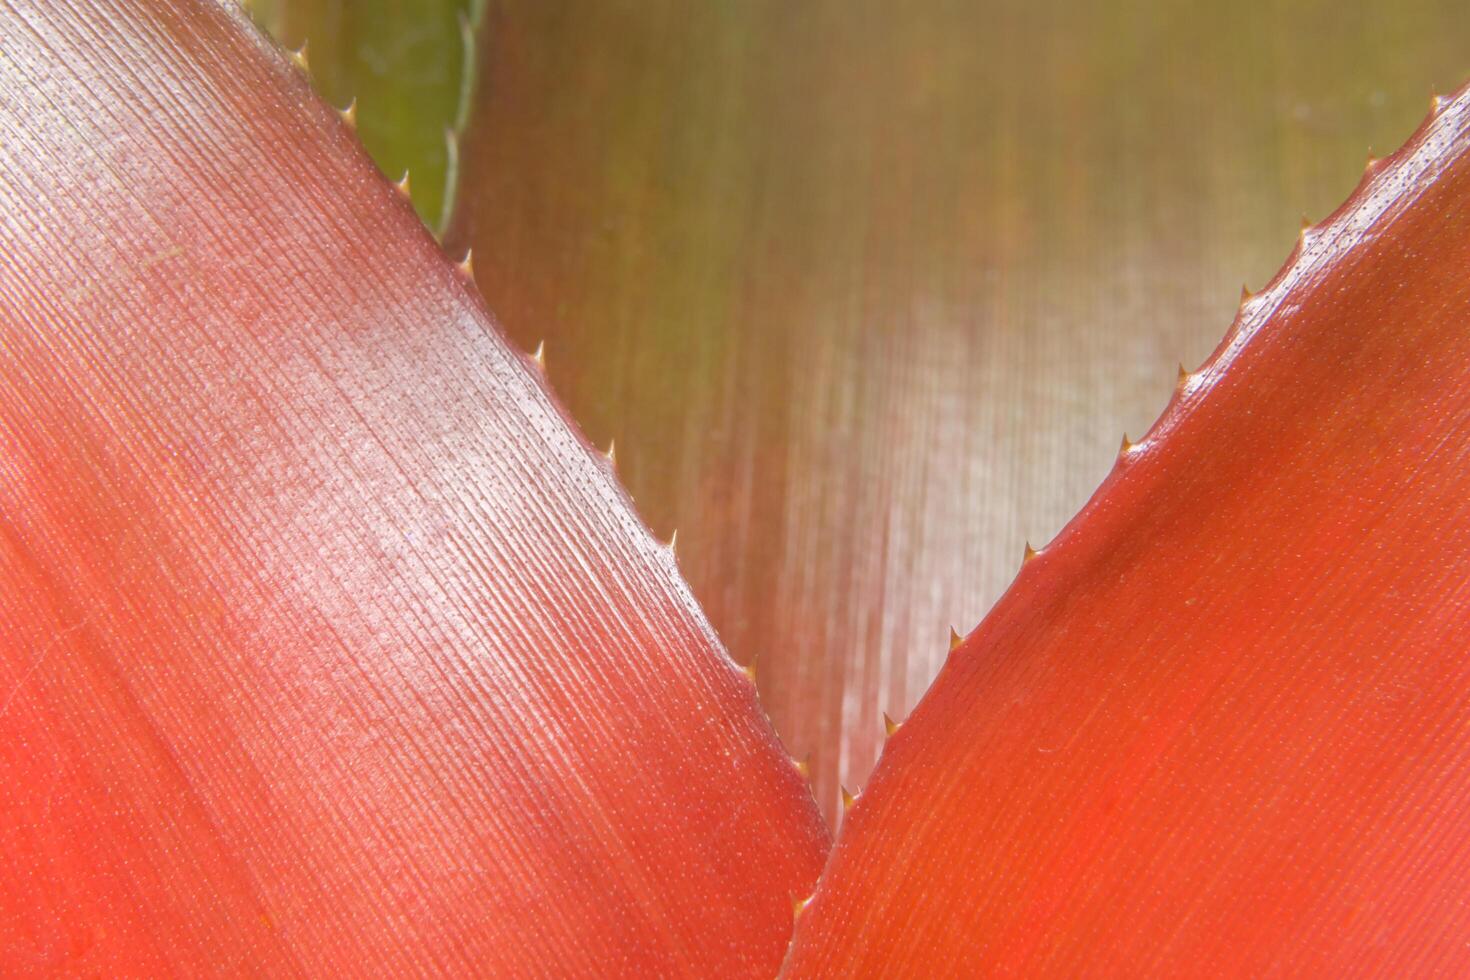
[326, 643]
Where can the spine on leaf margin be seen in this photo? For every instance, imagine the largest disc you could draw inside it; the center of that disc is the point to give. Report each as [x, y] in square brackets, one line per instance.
[324, 637]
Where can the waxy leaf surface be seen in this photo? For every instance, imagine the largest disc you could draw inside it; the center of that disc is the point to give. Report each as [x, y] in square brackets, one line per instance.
[326, 644]
[1221, 725]
[867, 292]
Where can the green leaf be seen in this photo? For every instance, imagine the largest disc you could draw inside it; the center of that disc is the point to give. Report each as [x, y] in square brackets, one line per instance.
[409, 64]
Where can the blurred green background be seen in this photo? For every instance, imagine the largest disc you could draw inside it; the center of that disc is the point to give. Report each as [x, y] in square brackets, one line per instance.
[405, 63]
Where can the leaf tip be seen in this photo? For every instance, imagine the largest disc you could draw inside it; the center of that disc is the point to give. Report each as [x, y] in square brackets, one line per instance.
[954, 638]
[349, 114]
[890, 727]
[299, 57]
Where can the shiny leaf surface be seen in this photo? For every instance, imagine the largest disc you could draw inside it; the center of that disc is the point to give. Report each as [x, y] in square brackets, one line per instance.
[327, 646]
[1221, 725]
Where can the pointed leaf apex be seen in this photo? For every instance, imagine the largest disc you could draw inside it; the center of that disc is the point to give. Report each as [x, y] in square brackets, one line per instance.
[954, 638]
[799, 905]
[1123, 450]
[1245, 294]
[1030, 552]
[300, 58]
[674, 544]
[1183, 377]
[467, 264]
[404, 186]
[349, 114]
[803, 767]
[539, 356]
[847, 799]
[612, 453]
[890, 727]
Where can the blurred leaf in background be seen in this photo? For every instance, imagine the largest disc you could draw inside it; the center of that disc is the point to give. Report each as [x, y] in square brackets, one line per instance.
[409, 65]
[867, 292]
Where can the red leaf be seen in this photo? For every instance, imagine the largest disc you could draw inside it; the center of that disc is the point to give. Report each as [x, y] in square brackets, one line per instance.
[325, 643]
[1221, 724]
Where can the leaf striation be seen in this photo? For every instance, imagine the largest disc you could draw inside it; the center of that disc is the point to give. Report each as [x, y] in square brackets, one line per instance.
[326, 643]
